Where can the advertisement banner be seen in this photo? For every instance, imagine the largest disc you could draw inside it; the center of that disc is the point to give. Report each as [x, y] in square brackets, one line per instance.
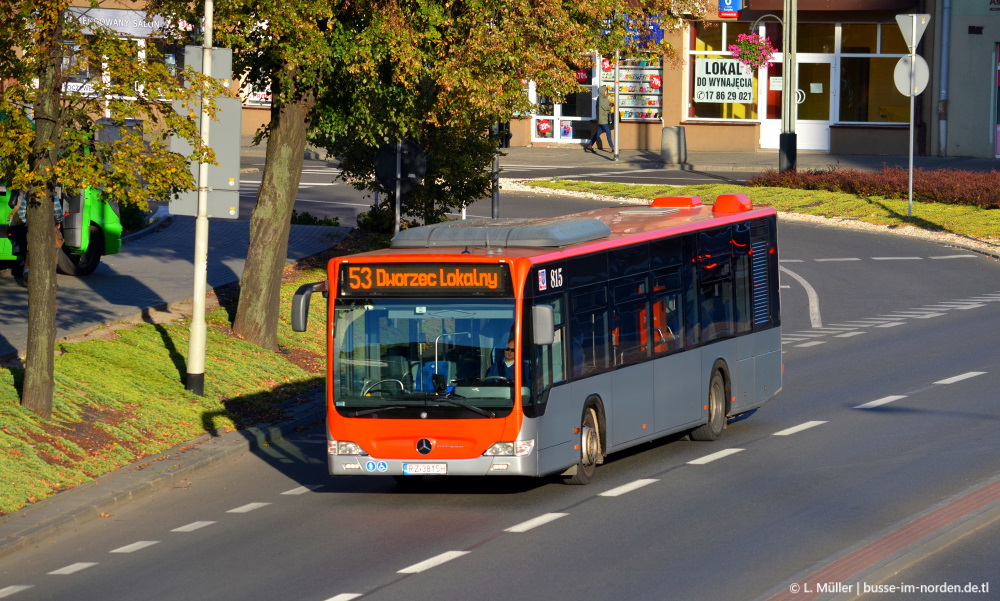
[722, 80]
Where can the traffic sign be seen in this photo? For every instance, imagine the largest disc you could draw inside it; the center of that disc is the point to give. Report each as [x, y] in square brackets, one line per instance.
[921, 74]
[912, 26]
[413, 166]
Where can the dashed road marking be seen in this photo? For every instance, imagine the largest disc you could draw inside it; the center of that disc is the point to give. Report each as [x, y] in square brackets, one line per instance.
[837, 260]
[248, 507]
[896, 258]
[959, 378]
[813, 343]
[955, 257]
[17, 588]
[192, 527]
[881, 401]
[714, 456]
[432, 562]
[136, 546]
[891, 324]
[849, 334]
[626, 488]
[536, 522]
[344, 597]
[798, 428]
[73, 568]
[302, 489]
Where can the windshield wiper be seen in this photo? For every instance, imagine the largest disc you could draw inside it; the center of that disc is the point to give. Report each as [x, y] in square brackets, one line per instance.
[380, 409]
[457, 403]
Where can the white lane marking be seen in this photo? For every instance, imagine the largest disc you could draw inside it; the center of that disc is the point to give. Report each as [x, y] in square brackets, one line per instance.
[809, 334]
[432, 562]
[955, 257]
[896, 258]
[834, 260]
[302, 489]
[136, 546]
[881, 401]
[248, 507]
[345, 597]
[814, 317]
[714, 456]
[830, 329]
[72, 568]
[791, 261]
[626, 488]
[798, 428]
[17, 588]
[891, 324]
[929, 315]
[849, 334]
[964, 307]
[971, 374]
[536, 522]
[192, 527]
[813, 343]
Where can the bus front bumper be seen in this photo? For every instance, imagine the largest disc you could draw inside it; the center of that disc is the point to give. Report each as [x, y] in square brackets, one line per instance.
[361, 465]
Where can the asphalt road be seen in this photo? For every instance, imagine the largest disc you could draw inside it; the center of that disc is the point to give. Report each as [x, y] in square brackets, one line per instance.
[889, 410]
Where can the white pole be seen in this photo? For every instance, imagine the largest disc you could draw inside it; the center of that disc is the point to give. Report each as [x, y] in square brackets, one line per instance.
[196, 342]
[913, 80]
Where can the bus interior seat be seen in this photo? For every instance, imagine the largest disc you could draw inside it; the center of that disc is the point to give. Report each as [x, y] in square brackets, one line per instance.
[423, 374]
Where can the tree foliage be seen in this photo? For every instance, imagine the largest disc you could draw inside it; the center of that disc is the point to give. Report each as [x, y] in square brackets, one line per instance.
[363, 73]
[59, 76]
[444, 73]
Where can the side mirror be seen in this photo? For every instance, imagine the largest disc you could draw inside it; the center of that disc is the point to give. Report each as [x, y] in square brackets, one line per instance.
[300, 304]
[543, 325]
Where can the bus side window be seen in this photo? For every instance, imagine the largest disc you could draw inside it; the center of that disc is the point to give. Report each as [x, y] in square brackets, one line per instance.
[589, 332]
[629, 331]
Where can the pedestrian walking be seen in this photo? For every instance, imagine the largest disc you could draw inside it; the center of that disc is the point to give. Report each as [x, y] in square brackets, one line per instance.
[604, 109]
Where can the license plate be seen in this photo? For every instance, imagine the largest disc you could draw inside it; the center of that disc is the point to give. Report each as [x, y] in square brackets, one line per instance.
[412, 469]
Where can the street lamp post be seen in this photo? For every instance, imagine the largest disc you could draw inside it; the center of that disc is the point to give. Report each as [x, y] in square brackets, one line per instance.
[789, 87]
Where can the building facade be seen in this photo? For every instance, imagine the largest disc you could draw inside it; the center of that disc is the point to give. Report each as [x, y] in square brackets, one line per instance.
[847, 101]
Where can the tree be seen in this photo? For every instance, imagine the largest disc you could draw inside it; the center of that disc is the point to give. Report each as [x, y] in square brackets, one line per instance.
[367, 72]
[44, 41]
[443, 73]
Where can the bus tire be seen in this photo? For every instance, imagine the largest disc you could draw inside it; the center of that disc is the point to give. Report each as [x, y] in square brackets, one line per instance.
[86, 262]
[712, 430]
[590, 449]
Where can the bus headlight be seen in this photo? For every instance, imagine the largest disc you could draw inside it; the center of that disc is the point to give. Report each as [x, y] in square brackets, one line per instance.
[517, 448]
[345, 447]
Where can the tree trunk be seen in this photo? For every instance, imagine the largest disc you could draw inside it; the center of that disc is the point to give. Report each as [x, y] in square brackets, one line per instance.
[260, 287]
[39, 365]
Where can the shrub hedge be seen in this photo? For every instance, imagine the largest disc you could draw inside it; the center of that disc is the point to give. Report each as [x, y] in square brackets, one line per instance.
[948, 186]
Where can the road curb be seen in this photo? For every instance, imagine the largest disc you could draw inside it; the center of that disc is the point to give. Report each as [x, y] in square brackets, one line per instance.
[99, 498]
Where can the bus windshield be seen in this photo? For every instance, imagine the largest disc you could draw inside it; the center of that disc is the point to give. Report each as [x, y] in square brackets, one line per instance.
[422, 358]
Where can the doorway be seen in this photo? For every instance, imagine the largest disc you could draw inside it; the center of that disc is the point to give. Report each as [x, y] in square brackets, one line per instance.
[815, 99]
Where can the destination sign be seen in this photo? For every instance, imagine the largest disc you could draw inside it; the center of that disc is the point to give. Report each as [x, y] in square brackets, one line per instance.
[424, 279]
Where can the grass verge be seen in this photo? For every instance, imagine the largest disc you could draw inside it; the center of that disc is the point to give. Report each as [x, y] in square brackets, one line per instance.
[120, 396]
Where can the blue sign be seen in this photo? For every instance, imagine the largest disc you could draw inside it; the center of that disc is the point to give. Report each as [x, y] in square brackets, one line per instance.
[730, 8]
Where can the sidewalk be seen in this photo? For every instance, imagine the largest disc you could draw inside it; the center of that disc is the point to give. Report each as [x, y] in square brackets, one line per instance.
[746, 162]
[154, 271]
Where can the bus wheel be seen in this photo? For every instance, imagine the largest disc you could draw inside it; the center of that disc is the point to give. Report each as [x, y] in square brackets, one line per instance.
[86, 263]
[716, 410]
[590, 450]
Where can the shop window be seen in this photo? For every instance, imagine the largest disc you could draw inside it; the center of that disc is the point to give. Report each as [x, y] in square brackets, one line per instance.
[816, 37]
[868, 91]
[720, 86]
[80, 71]
[892, 40]
[858, 38]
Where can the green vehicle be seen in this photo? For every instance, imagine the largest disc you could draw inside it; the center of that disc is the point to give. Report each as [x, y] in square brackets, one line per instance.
[91, 227]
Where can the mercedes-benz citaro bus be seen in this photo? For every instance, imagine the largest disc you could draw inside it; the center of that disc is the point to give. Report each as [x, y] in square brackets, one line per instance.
[538, 346]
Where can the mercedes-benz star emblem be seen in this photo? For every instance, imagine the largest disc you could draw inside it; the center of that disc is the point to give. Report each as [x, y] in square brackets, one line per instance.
[424, 446]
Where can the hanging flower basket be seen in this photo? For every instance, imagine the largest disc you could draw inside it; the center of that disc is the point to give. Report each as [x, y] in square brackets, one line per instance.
[752, 50]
